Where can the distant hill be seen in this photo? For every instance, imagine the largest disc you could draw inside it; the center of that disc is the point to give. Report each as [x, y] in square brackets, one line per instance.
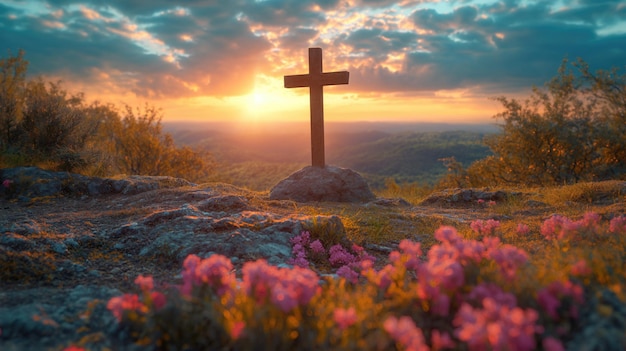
[269, 155]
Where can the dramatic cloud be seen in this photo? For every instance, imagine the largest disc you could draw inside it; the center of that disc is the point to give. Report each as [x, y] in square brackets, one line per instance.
[216, 48]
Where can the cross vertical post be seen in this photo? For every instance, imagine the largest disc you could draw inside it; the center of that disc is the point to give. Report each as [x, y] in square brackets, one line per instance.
[315, 81]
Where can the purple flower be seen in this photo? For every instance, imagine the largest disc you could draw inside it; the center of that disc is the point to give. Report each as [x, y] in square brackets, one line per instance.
[348, 273]
[340, 256]
[317, 247]
[549, 298]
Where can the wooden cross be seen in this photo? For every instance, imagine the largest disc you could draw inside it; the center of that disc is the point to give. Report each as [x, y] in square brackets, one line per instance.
[315, 80]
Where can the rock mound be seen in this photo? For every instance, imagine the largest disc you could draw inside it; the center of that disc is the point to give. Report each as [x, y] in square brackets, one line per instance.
[328, 184]
[30, 182]
[466, 197]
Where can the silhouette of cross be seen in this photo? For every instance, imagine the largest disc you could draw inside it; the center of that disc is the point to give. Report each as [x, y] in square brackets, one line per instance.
[315, 80]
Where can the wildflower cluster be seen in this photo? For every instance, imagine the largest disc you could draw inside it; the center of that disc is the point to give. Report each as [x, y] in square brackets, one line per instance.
[133, 303]
[562, 228]
[461, 294]
[483, 227]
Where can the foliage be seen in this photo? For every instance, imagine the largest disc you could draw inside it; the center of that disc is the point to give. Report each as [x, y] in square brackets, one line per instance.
[42, 124]
[571, 131]
[461, 294]
[12, 78]
[410, 157]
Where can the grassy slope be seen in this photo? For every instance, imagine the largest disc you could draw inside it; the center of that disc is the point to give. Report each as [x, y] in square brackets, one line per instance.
[259, 161]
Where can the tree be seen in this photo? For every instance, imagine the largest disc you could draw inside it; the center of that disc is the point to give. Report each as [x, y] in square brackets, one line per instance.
[142, 148]
[609, 89]
[54, 120]
[12, 85]
[564, 133]
[43, 124]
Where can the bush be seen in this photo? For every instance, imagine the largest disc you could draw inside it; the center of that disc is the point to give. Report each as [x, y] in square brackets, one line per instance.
[42, 124]
[573, 130]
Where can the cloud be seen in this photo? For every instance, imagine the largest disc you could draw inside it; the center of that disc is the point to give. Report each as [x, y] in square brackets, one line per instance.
[215, 48]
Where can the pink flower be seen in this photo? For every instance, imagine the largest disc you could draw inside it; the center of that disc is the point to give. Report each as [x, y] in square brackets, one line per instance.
[441, 340]
[237, 329]
[286, 288]
[470, 251]
[158, 300]
[447, 234]
[487, 227]
[7, 183]
[189, 274]
[145, 283]
[127, 302]
[73, 348]
[317, 247]
[552, 344]
[559, 227]
[441, 305]
[344, 317]
[283, 297]
[412, 251]
[442, 253]
[491, 203]
[405, 333]
[349, 274]
[447, 274]
[489, 290]
[216, 272]
[618, 225]
[522, 229]
[509, 258]
[381, 279]
[590, 221]
[258, 277]
[580, 269]
[480, 201]
[497, 327]
[410, 248]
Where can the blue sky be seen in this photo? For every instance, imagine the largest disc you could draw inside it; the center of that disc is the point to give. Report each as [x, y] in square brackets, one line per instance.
[409, 59]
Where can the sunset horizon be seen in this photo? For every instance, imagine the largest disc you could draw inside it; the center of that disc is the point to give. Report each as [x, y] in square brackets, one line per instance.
[409, 61]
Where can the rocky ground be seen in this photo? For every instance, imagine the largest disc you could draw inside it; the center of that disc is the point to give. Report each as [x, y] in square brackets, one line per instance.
[68, 244]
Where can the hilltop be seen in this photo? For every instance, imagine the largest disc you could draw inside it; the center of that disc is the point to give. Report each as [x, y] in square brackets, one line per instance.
[64, 252]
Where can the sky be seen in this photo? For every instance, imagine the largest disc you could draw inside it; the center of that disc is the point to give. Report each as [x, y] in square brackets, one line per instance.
[409, 60]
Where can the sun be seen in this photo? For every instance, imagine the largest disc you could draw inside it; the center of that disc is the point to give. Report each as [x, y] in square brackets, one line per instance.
[257, 98]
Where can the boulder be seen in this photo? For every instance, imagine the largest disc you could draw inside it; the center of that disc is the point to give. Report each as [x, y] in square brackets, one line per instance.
[328, 184]
[32, 182]
[467, 197]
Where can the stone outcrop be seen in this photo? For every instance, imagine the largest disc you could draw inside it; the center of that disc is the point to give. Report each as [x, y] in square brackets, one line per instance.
[328, 184]
[75, 250]
[465, 197]
[31, 182]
